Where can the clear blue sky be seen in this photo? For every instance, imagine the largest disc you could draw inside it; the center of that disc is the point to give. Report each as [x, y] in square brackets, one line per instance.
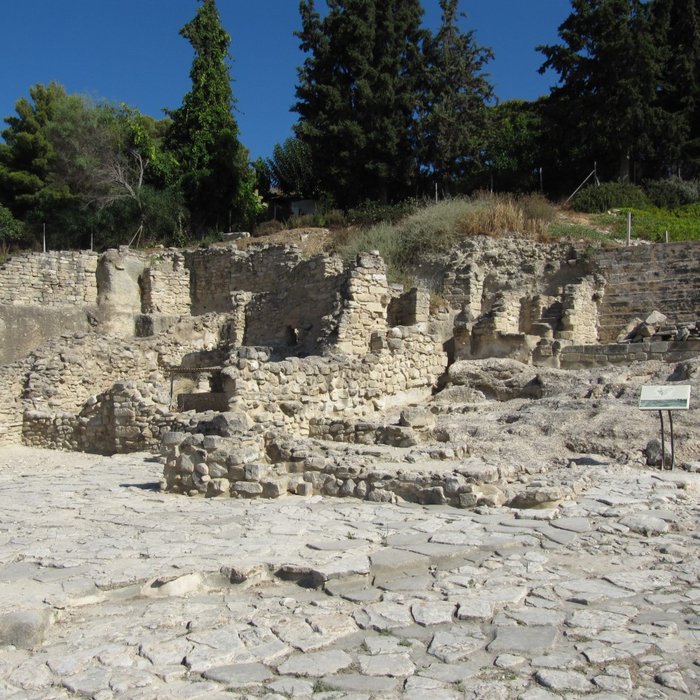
[130, 51]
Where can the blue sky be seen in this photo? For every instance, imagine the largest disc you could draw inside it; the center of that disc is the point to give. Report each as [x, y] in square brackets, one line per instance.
[130, 51]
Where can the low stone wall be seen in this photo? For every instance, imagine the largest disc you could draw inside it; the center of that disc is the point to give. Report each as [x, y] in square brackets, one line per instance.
[292, 391]
[246, 466]
[582, 356]
[129, 417]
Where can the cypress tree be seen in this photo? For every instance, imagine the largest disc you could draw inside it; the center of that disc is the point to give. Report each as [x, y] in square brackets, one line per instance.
[204, 134]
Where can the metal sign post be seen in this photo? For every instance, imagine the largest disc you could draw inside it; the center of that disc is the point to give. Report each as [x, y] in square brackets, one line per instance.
[665, 398]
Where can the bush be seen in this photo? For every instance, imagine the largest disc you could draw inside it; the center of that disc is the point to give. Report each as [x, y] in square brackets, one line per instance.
[682, 223]
[672, 192]
[267, 228]
[610, 195]
[370, 213]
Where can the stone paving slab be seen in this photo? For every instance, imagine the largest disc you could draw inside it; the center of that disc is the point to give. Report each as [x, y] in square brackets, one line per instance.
[111, 589]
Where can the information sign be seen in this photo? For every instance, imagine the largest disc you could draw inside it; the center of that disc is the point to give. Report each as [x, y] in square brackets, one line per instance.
[665, 398]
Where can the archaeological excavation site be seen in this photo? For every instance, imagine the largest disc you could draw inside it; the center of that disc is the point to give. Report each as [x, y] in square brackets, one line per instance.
[249, 470]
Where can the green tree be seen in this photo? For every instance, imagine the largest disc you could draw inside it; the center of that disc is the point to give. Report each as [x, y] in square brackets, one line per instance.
[605, 107]
[451, 129]
[291, 169]
[27, 155]
[512, 152]
[356, 96]
[218, 185]
[11, 230]
[677, 27]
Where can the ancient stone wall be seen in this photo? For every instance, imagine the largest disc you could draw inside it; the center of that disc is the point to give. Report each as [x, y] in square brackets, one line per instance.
[365, 301]
[583, 356]
[11, 387]
[55, 278]
[644, 278]
[165, 284]
[292, 391]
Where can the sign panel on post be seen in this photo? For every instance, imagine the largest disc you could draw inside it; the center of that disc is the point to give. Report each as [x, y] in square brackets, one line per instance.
[665, 398]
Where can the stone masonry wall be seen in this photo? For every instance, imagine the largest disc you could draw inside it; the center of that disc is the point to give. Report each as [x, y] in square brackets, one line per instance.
[165, 285]
[289, 393]
[365, 303]
[55, 278]
[583, 356]
[12, 384]
[645, 278]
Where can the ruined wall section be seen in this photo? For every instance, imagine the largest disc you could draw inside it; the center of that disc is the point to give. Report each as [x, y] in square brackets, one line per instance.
[43, 295]
[63, 374]
[365, 301]
[56, 278]
[645, 278]
[165, 284]
[288, 302]
[291, 392]
[12, 383]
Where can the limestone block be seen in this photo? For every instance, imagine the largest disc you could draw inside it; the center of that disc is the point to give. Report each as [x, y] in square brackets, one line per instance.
[247, 489]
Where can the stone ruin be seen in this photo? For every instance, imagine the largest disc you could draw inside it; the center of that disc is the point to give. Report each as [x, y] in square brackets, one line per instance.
[233, 363]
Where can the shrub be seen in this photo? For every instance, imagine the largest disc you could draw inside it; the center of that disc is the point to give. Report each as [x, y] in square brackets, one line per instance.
[267, 228]
[609, 195]
[682, 223]
[370, 213]
[672, 192]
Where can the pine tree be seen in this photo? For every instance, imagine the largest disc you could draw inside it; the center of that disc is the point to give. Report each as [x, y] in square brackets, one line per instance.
[605, 108]
[453, 114]
[215, 178]
[357, 96]
[27, 155]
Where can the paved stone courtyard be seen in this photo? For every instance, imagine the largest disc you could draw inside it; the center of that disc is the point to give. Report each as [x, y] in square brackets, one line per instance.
[111, 589]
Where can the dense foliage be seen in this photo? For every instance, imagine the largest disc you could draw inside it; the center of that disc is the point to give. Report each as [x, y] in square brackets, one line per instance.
[628, 92]
[92, 172]
[389, 112]
[213, 171]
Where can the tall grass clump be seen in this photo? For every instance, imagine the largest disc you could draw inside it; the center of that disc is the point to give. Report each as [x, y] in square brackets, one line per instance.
[436, 227]
[430, 229]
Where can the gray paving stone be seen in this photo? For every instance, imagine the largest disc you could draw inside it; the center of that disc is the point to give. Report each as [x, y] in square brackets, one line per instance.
[394, 665]
[524, 640]
[315, 664]
[239, 675]
[433, 613]
[451, 647]
[578, 525]
[564, 681]
[384, 616]
[355, 682]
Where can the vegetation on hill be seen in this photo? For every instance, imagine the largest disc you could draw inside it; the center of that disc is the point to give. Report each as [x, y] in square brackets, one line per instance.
[390, 113]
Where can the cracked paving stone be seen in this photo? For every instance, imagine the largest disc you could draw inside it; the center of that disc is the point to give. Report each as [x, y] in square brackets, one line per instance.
[394, 665]
[239, 675]
[564, 681]
[384, 616]
[456, 646]
[315, 664]
[433, 613]
[524, 640]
